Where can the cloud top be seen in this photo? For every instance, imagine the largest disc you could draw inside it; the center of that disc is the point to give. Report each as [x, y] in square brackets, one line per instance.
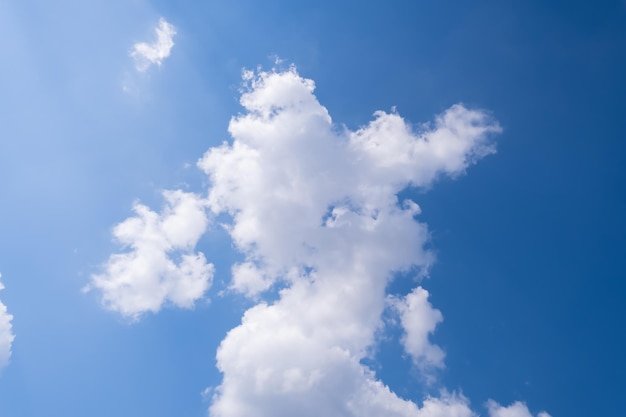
[147, 54]
[6, 333]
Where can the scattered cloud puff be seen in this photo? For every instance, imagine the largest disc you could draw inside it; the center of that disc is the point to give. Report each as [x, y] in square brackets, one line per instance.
[419, 319]
[314, 209]
[148, 54]
[160, 265]
[6, 333]
[517, 409]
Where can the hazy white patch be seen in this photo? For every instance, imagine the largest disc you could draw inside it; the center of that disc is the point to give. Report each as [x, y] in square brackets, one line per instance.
[206, 393]
[130, 84]
[315, 207]
[419, 319]
[127, 89]
[517, 409]
[160, 266]
[6, 333]
[148, 54]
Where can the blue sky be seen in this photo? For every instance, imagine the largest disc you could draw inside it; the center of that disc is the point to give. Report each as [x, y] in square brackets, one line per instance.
[524, 247]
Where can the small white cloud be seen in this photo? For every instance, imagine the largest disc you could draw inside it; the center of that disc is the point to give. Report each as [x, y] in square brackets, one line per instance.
[419, 319]
[6, 333]
[147, 54]
[161, 265]
[517, 409]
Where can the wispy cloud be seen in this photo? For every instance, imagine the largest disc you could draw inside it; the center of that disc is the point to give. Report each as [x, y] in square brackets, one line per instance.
[148, 54]
[6, 333]
[161, 265]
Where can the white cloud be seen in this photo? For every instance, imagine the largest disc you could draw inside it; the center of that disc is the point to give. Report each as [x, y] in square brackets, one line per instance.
[147, 54]
[517, 409]
[419, 319]
[6, 333]
[315, 208]
[160, 266]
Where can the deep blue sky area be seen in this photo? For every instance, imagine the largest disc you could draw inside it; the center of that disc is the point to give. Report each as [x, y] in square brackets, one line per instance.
[530, 242]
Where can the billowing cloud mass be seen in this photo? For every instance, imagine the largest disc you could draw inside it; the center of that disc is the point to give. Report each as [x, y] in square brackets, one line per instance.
[315, 211]
[6, 333]
[147, 54]
[160, 265]
[517, 409]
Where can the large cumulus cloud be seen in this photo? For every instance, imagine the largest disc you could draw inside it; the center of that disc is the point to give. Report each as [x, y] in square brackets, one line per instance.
[315, 211]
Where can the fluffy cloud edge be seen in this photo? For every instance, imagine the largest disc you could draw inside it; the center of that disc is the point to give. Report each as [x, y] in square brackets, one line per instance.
[6, 333]
[516, 409]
